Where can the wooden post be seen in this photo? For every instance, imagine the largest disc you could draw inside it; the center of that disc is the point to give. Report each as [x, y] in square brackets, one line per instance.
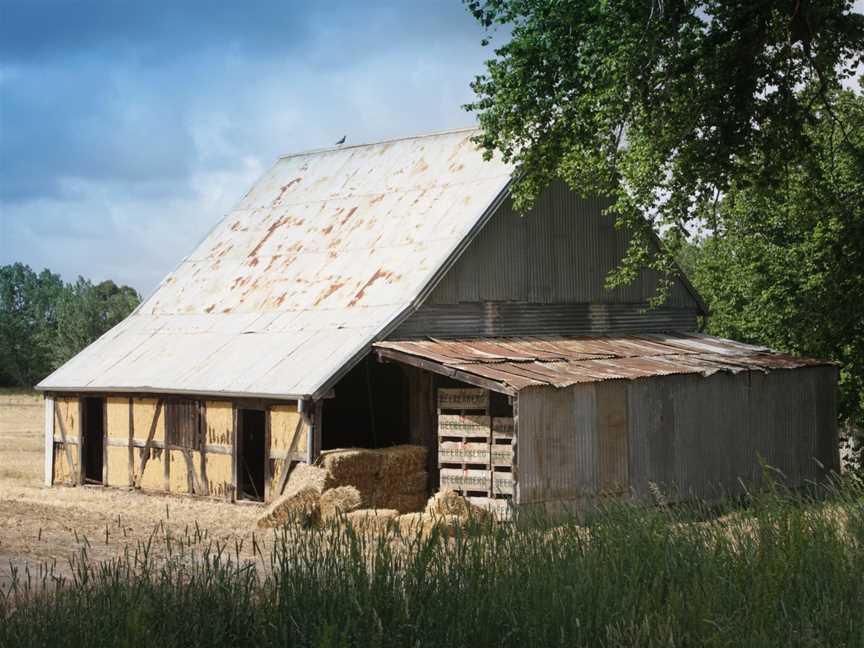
[202, 422]
[131, 444]
[48, 418]
[145, 452]
[66, 445]
[267, 435]
[288, 462]
[235, 452]
[81, 442]
[104, 441]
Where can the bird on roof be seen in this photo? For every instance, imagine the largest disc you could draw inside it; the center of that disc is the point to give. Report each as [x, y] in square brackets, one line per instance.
[341, 141]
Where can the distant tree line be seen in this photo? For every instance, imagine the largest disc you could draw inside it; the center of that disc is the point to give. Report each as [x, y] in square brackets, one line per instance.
[45, 321]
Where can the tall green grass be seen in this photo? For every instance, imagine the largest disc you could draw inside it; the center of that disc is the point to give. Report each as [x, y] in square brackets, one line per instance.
[784, 570]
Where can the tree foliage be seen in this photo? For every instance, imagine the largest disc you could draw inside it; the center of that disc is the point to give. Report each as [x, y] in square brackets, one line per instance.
[662, 104]
[785, 266]
[44, 322]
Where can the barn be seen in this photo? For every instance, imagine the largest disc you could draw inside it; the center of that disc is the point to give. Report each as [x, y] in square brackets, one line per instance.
[383, 294]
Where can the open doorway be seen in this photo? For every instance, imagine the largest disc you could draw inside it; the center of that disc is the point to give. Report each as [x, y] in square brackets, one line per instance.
[369, 408]
[93, 438]
[251, 454]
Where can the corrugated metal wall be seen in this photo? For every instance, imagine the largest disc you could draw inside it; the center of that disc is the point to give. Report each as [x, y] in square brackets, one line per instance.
[692, 436]
[508, 319]
[558, 253]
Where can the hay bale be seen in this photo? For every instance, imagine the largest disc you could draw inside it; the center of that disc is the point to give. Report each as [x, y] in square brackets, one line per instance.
[413, 482]
[424, 524]
[344, 466]
[449, 502]
[372, 519]
[339, 501]
[304, 476]
[403, 460]
[302, 507]
[410, 524]
[404, 502]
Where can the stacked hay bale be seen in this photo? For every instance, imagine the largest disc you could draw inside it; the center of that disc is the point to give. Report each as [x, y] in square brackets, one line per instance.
[387, 478]
[343, 481]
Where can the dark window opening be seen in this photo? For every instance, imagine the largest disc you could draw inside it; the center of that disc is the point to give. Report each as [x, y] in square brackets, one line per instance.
[251, 454]
[369, 408]
[183, 424]
[93, 437]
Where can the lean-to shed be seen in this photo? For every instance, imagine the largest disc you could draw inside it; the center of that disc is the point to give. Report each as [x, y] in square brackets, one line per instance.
[388, 293]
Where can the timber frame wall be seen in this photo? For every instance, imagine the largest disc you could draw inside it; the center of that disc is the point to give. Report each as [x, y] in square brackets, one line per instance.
[137, 456]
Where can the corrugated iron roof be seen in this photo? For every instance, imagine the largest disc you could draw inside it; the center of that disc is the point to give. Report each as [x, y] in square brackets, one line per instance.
[324, 255]
[516, 363]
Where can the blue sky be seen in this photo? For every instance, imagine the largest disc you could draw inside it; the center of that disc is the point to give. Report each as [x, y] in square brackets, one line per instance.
[128, 128]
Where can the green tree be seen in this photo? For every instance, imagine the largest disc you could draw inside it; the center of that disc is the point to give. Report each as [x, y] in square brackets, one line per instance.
[662, 104]
[44, 322]
[28, 323]
[785, 265]
[86, 311]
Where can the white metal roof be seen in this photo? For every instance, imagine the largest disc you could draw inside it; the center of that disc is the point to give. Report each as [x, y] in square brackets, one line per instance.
[325, 254]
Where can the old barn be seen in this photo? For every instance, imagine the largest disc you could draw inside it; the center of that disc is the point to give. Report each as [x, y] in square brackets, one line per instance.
[374, 295]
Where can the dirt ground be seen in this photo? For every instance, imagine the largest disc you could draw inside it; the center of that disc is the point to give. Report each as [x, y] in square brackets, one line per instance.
[42, 525]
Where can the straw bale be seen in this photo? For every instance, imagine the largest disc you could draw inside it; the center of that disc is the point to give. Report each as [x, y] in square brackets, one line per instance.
[413, 482]
[373, 519]
[301, 506]
[404, 502]
[424, 524]
[403, 459]
[305, 476]
[344, 466]
[338, 501]
[410, 523]
[449, 502]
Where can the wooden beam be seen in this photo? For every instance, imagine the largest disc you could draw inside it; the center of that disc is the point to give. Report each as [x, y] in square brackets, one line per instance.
[66, 445]
[288, 463]
[267, 434]
[442, 370]
[202, 422]
[131, 443]
[145, 452]
[104, 441]
[235, 450]
[48, 418]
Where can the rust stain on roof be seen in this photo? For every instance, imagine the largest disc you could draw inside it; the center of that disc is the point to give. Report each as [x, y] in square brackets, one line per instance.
[285, 188]
[348, 215]
[379, 274]
[332, 288]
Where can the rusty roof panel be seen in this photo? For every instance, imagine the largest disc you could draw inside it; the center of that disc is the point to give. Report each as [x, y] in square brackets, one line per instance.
[517, 363]
[326, 251]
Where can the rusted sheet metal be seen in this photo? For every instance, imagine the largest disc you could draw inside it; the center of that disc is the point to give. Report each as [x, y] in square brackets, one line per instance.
[560, 362]
[324, 253]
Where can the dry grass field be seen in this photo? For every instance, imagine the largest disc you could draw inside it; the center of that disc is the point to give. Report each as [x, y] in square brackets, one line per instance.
[47, 525]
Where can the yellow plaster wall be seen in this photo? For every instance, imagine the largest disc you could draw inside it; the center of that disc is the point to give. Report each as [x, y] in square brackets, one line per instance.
[153, 478]
[118, 466]
[220, 423]
[62, 474]
[118, 417]
[67, 408]
[179, 482]
[283, 423]
[142, 417]
[219, 476]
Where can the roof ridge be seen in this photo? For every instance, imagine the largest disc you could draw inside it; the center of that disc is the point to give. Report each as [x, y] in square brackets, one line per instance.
[342, 147]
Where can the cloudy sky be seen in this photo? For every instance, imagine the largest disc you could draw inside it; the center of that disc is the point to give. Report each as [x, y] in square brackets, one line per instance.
[128, 128]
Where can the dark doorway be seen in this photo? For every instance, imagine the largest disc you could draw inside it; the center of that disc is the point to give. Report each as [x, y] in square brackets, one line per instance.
[250, 460]
[369, 408]
[93, 438]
